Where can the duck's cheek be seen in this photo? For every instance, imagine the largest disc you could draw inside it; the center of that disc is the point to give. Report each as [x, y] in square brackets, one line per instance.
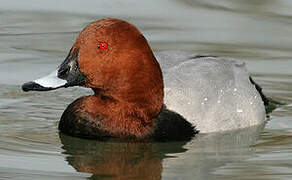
[90, 82]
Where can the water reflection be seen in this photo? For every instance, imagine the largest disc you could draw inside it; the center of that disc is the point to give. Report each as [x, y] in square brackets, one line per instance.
[114, 159]
[122, 160]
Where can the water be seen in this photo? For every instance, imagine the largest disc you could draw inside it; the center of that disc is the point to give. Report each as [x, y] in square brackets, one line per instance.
[36, 36]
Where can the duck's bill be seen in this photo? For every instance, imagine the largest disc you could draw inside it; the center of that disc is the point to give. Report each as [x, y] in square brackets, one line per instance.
[68, 74]
[47, 83]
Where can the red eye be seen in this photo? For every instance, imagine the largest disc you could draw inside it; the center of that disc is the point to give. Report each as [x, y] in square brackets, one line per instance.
[102, 46]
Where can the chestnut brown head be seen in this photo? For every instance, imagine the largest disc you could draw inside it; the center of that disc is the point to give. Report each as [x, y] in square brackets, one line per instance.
[110, 56]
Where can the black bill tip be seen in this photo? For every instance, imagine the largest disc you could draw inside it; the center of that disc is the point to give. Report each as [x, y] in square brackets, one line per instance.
[32, 86]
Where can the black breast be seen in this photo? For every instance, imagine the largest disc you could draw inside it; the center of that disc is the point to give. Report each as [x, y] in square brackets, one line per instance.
[171, 126]
[78, 124]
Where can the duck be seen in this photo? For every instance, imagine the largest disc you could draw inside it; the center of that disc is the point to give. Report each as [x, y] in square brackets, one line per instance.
[130, 100]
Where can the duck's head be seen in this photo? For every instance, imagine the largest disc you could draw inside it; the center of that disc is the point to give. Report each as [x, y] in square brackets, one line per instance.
[113, 58]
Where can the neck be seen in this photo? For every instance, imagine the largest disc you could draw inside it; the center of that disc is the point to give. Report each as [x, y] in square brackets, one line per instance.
[131, 99]
[126, 117]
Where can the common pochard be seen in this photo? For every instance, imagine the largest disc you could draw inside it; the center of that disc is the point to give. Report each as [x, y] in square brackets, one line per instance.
[113, 58]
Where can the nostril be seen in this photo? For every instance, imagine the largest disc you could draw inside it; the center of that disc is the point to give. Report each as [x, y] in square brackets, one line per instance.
[63, 71]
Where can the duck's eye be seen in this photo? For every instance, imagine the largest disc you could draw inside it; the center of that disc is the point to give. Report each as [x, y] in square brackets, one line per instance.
[102, 46]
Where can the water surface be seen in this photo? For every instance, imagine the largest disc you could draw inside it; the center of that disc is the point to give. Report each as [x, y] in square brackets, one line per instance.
[36, 36]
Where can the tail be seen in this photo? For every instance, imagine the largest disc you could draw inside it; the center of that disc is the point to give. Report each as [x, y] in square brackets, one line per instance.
[269, 103]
